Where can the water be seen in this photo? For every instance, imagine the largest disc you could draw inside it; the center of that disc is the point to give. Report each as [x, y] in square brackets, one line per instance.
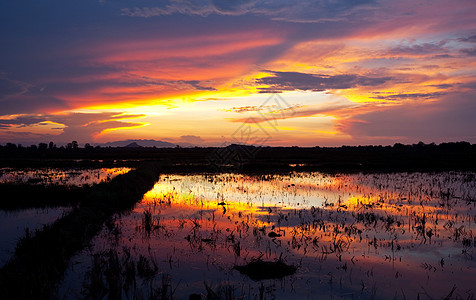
[13, 226]
[49, 176]
[352, 236]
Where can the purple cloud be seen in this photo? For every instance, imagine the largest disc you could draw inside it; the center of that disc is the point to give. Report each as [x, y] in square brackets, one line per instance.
[290, 81]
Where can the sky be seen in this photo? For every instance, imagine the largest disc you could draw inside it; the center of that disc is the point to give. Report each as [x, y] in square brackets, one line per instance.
[262, 72]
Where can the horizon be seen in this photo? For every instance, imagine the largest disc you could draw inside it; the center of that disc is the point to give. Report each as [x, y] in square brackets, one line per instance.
[212, 73]
[126, 143]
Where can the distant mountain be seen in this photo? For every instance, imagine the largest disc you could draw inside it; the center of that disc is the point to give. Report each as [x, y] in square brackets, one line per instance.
[133, 145]
[139, 143]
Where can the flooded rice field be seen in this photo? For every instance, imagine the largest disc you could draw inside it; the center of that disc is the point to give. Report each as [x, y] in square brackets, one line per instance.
[295, 236]
[15, 225]
[49, 176]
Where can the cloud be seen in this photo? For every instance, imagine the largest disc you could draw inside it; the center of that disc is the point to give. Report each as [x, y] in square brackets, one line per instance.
[78, 126]
[180, 8]
[469, 52]
[201, 8]
[197, 85]
[25, 120]
[21, 104]
[470, 39]
[297, 111]
[442, 86]
[261, 108]
[132, 80]
[396, 97]
[86, 55]
[306, 11]
[234, 7]
[243, 109]
[9, 87]
[192, 139]
[451, 118]
[83, 90]
[469, 85]
[290, 81]
[136, 70]
[419, 49]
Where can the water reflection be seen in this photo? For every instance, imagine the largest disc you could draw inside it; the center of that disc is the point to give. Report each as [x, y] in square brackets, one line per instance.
[365, 236]
[48, 176]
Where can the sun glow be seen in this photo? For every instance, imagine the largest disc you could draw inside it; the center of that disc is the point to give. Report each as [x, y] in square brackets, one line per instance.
[107, 130]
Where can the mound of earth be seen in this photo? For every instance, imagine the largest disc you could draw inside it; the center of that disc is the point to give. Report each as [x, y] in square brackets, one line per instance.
[260, 270]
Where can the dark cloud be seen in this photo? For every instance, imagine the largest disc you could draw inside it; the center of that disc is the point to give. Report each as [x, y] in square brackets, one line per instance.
[269, 91]
[9, 87]
[197, 85]
[174, 8]
[415, 96]
[23, 120]
[201, 8]
[306, 11]
[441, 56]
[24, 104]
[233, 7]
[469, 85]
[419, 49]
[289, 81]
[442, 86]
[131, 80]
[470, 39]
[469, 52]
[321, 11]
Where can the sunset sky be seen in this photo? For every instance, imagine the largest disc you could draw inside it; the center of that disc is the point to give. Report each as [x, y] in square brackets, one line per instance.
[211, 72]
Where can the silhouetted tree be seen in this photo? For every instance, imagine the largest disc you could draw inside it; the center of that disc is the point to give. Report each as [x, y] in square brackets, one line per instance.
[75, 145]
[11, 147]
[42, 146]
[420, 145]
